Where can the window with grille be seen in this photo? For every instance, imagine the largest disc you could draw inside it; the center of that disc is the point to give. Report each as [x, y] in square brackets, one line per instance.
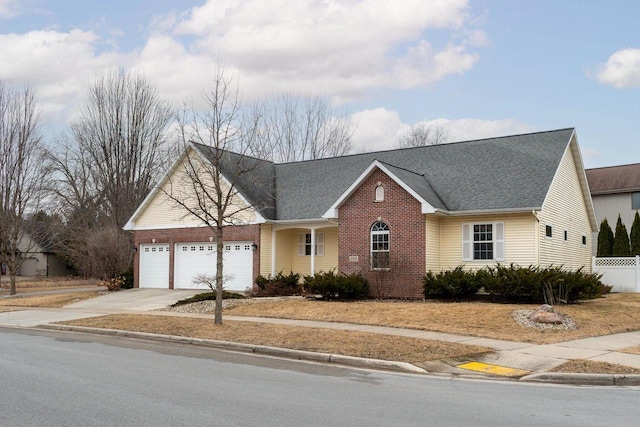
[380, 246]
[483, 242]
[304, 244]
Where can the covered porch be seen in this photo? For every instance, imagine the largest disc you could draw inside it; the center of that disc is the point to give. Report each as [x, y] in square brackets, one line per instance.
[303, 248]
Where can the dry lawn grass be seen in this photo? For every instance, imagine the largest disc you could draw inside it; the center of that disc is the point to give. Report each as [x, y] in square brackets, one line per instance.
[348, 343]
[631, 350]
[52, 300]
[613, 313]
[590, 367]
[24, 285]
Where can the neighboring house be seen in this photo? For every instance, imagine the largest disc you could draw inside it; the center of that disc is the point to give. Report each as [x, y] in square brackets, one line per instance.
[40, 258]
[393, 215]
[615, 190]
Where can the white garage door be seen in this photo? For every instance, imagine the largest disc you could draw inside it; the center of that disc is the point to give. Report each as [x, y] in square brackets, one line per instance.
[193, 259]
[154, 266]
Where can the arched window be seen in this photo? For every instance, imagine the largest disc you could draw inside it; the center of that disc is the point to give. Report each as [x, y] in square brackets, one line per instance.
[379, 193]
[379, 245]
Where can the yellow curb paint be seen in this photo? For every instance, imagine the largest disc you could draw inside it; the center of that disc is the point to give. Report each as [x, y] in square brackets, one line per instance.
[493, 369]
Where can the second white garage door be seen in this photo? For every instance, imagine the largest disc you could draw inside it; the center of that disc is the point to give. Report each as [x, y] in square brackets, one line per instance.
[193, 259]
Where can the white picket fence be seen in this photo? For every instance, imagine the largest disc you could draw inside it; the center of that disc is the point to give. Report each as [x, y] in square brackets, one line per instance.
[621, 273]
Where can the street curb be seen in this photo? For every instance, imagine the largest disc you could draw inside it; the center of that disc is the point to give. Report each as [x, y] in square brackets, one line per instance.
[337, 359]
[583, 379]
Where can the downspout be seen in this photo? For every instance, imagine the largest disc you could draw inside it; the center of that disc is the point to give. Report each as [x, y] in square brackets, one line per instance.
[536, 235]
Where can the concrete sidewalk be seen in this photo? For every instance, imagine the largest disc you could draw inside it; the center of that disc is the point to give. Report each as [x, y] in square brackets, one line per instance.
[530, 359]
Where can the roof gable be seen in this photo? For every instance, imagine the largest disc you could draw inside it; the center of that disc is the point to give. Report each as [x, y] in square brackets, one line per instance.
[392, 172]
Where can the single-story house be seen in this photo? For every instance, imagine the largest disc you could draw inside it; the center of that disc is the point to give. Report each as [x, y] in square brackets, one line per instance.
[391, 215]
[615, 190]
[39, 255]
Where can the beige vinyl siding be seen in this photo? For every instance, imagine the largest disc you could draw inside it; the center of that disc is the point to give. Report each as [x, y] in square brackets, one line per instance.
[432, 242]
[330, 259]
[565, 209]
[286, 247]
[519, 239]
[161, 211]
[265, 249]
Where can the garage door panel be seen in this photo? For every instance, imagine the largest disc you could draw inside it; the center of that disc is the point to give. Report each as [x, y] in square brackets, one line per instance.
[154, 266]
[192, 259]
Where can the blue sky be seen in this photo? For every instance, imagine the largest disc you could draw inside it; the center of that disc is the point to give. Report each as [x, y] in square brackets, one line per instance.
[480, 68]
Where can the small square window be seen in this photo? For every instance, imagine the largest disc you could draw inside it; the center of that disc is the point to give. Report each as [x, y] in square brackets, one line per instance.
[548, 231]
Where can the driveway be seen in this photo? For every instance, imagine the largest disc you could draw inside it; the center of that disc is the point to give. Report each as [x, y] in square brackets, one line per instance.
[136, 299]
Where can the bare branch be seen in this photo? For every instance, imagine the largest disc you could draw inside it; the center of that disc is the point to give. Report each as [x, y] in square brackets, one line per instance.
[422, 134]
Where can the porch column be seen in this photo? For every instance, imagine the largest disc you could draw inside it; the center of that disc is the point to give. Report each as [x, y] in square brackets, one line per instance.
[313, 252]
[273, 251]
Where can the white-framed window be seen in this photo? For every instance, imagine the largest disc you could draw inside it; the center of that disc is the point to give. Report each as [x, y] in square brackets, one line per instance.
[483, 241]
[635, 200]
[379, 193]
[566, 235]
[380, 245]
[304, 244]
[548, 231]
[584, 240]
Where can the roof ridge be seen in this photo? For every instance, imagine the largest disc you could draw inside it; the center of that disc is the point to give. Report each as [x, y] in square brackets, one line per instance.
[613, 166]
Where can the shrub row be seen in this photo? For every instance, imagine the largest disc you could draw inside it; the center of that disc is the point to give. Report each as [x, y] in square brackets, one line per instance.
[516, 284]
[279, 285]
[207, 296]
[330, 285]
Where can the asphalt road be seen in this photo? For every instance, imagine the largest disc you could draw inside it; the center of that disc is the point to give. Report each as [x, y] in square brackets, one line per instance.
[62, 379]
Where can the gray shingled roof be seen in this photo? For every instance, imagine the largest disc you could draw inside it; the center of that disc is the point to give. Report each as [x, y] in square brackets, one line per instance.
[506, 173]
[512, 172]
[614, 179]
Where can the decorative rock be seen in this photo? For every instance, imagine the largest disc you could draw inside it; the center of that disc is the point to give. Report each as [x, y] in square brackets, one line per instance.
[546, 308]
[546, 317]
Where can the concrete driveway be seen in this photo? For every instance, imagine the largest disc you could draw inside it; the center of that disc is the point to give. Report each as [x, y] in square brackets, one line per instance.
[136, 299]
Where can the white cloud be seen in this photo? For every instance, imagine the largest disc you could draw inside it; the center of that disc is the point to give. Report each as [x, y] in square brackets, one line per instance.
[622, 69]
[379, 129]
[340, 48]
[58, 65]
[8, 8]
[468, 129]
[376, 129]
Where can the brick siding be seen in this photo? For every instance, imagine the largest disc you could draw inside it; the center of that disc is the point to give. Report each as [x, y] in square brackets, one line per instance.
[239, 233]
[402, 213]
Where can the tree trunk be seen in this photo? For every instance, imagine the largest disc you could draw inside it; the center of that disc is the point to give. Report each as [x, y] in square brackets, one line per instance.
[12, 280]
[219, 274]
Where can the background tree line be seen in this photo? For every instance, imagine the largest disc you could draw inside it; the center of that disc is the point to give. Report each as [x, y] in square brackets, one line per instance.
[620, 243]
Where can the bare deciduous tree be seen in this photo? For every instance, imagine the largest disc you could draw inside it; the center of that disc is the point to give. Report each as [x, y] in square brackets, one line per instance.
[122, 128]
[422, 134]
[22, 174]
[107, 165]
[301, 128]
[214, 167]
